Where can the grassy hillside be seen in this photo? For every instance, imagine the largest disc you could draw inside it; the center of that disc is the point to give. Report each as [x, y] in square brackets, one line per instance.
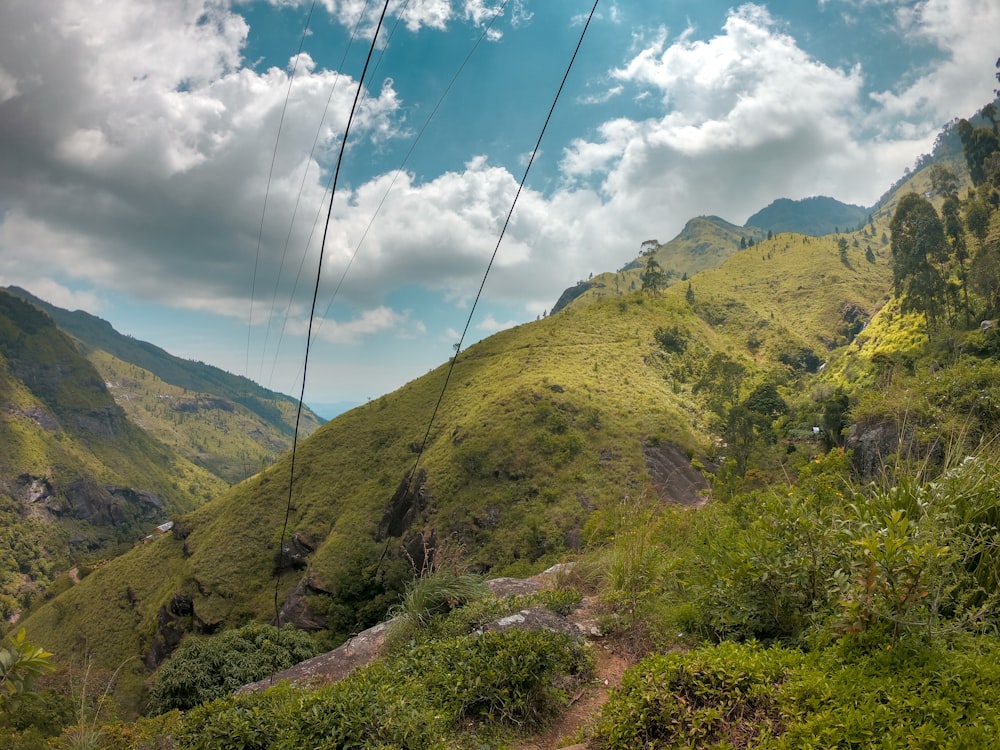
[224, 437]
[541, 426]
[705, 242]
[77, 478]
[225, 423]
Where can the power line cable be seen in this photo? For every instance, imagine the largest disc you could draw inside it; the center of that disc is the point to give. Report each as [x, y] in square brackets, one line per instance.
[263, 213]
[295, 210]
[395, 177]
[270, 174]
[312, 311]
[409, 153]
[468, 322]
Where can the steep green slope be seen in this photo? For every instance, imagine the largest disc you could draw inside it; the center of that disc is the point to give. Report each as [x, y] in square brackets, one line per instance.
[814, 216]
[250, 424]
[540, 425]
[77, 478]
[705, 242]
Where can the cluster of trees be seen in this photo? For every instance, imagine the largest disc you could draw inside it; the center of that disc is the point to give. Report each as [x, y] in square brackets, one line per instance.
[947, 265]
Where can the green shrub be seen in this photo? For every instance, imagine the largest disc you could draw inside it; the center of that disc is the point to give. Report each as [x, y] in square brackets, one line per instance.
[429, 597]
[717, 697]
[416, 699]
[205, 668]
[745, 696]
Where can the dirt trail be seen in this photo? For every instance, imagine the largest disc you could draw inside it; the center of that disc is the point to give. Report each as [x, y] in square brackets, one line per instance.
[566, 732]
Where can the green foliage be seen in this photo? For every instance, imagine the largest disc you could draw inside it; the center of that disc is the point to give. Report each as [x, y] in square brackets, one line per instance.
[419, 698]
[21, 663]
[720, 697]
[766, 560]
[918, 246]
[745, 696]
[432, 596]
[652, 276]
[978, 144]
[205, 668]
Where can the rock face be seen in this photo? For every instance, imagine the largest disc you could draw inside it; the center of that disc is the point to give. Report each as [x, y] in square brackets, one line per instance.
[295, 610]
[673, 476]
[870, 446]
[173, 621]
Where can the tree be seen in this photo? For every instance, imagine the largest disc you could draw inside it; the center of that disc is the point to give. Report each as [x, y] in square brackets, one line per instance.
[689, 294]
[842, 246]
[835, 419]
[740, 435]
[722, 379]
[977, 219]
[918, 246]
[978, 144]
[943, 180]
[652, 277]
[955, 230]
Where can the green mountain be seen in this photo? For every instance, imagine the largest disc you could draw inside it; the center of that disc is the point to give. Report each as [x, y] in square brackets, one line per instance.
[224, 423]
[542, 426]
[814, 216]
[705, 242]
[78, 479]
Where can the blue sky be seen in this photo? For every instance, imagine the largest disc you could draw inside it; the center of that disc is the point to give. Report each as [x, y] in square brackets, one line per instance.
[136, 147]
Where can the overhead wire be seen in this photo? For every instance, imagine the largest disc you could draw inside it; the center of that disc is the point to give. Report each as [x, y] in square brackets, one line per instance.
[263, 214]
[270, 175]
[406, 158]
[315, 296]
[486, 30]
[496, 249]
[284, 325]
[295, 209]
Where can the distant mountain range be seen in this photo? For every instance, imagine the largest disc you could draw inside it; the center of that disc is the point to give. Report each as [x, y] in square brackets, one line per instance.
[815, 216]
[239, 423]
[706, 241]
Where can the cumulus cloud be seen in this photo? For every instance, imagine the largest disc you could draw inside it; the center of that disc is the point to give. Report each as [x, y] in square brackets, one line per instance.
[747, 116]
[413, 14]
[371, 322]
[966, 32]
[128, 169]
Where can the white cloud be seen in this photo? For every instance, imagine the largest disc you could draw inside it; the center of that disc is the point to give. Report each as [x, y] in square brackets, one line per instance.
[490, 324]
[8, 86]
[370, 323]
[414, 14]
[966, 31]
[147, 173]
[603, 96]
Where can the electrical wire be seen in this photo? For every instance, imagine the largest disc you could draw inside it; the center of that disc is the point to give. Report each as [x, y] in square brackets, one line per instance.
[468, 322]
[315, 296]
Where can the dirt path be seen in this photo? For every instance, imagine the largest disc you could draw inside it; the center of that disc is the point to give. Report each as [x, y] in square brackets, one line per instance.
[566, 732]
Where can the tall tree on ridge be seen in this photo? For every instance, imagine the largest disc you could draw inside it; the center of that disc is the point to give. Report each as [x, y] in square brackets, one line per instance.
[918, 247]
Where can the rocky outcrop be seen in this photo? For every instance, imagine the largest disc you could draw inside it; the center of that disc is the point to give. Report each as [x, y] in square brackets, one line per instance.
[674, 478]
[174, 620]
[296, 611]
[294, 554]
[366, 646]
